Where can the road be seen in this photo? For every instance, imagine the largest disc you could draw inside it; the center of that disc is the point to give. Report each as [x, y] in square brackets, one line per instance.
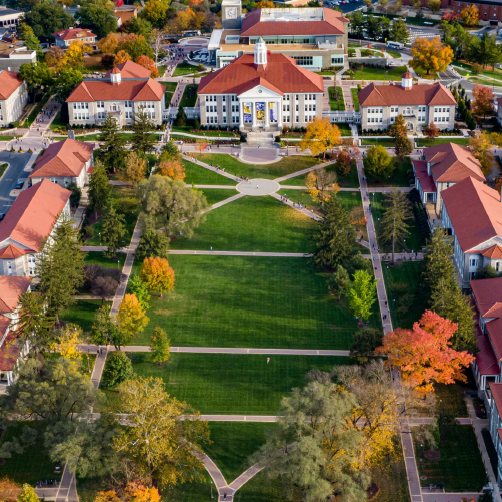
[15, 171]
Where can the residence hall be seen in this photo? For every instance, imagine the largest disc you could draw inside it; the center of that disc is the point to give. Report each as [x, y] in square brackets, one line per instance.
[440, 168]
[499, 111]
[472, 214]
[123, 91]
[28, 222]
[13, 97]
[11, 288]
[419, 104]
[315, 37]
[64, 162]
[495, 412]
[264, 91]
[489, 10]
[64, 38]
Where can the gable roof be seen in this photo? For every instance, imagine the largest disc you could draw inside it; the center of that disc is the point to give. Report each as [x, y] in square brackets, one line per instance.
[475, 212]
[11, 288]
[494, 252]
[33, 214]
[125, 13]
[9, 82]
[452, 162]
[488, 293]
[257, 23]
[63, 158]
[280, 72]
[388, 95]
[73, 34]
[129, 69]
[496, 389]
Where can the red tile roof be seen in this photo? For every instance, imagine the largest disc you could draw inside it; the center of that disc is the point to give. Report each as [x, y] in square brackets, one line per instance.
[483, 219]
[426, 180]
[452, 162]
[331, 24]
[486, 360]
[494, 252]
[280, 72]
[494, 330]
[33, 214]
[487, 292]
[388, 95]
[129, 69]
[127, 90]
[496, 389]
[10, 252]
[11, 288]
[9, 82]
[63, 158]
[73, 34]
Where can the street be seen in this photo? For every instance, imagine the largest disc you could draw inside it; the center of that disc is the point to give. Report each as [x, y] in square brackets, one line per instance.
[15, 171]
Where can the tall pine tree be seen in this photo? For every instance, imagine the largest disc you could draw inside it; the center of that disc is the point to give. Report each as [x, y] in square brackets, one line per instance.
[112, 153]
[99, 189]
[142, 139]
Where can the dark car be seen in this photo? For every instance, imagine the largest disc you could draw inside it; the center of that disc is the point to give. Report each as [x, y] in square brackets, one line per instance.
[20, 183]
[2, 216]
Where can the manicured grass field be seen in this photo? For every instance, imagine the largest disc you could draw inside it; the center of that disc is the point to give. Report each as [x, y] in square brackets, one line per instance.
[286, 165]
[169, 93]
[394, 54]
[214, 195]
[233, 444]
[252, 224]
[81, 313]
[3, 168]
[377, 73]
[350, 180]
[450, 399]
[355, 98]
[263, 302]
[98, 257]
[441, 141]
[189, 97]
[260, 489]
[405, 273]
[216, 134]
[34, 463]
[459, 468]
[344, 129]
[184, 69]
[199, 175]
[399, 177]
[387, 142]
[336, 100]
[57, 122]
[228, 383]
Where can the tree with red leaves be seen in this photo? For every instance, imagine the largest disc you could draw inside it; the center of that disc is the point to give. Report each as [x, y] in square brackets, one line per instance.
[424, 353]
[148, 63]
[483, 100]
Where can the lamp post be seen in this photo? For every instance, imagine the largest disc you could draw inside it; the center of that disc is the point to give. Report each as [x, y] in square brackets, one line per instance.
[118, 264]
[212, 489]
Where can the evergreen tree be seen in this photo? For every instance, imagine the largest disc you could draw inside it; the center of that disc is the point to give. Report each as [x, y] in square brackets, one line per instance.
[152, 243]
[399, 131]
[113, 152]
[112, 231]
[400, 32]
[339, 281]
[394, 228]
[336, 237]
[181, 118]
[142, 139]
[61, 266]
[99, 189]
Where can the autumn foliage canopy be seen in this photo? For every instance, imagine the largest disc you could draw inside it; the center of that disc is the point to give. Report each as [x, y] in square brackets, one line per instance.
[157, 275]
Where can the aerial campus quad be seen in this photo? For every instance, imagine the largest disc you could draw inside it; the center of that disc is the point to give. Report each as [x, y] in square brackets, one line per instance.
[233, 239]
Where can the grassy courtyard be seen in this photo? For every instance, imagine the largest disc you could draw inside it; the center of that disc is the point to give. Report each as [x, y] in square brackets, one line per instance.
[399, 177]
[214, 195]
[252, 224]
[377, 73]
[262, 302]
[231, 384]
[81, 313]
[349, 180]
[423, 142]
[201, 176]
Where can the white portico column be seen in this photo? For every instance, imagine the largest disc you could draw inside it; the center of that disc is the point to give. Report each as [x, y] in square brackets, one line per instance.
[253, 113]
[267, 114]
[241, 115]
[279, 115]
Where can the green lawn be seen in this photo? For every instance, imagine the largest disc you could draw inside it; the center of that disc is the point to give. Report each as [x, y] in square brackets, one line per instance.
[233, 443]
[377, 73]
[286, 165]
[169, 93]
[394, 54]
[57, 122]
[261, 489]
[350, 180]
[253, 224]
[336, 98]
[81, 313]
[34, 463]
[263, 302]
[450, 399]
[387, 142]
[485, 81]
[209, 134]
[130, 223]
[230, 384]
[355, 98]
[423, 142]
[400, 176]
[400, 280]
[6, 137]
[344, 129]
[98, 257]
[189, 97]
[184, 69]
[214, 195]
[459, 468]
[201, 176]
[3, 168]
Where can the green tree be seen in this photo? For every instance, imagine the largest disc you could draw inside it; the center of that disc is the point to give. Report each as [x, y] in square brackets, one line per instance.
[160, 346]
[336, 237]
[61, 266]
[137, 46]
[65, 82]
[104, 327]
[46, 18]
[140, 289]
[488, 52]
[26, 34]
[36, 75]
[181, 118]
[378, 164]
[28, 494]
[142, 139]
[393, 228]
[339, 281]
[400, 32]
[364, 344]
[112, 230]
[118, 369]
[112, 152]
[155, 12]
[315, 458]
[399, 131]
[170, 204]
[139, 26]
[362, 294]
[76, 194]
[97, 16]
[152, 243]
[356, 23]
[99, 189]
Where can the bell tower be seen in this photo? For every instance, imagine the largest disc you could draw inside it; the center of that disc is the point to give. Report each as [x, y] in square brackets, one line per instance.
[260, 53]
[231, 12]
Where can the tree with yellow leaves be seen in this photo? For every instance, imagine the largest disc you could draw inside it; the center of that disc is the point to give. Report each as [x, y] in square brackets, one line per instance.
[264, 4]
[321, 135]
[75, 52]
[67, 341]
[321, 185]
[121, 57]
[132, 316]
[434, 5]
[481, 148]
[430, 55]
[157, 275]
[185, 19]
[109, 44]
[470, 15]
[135, 168]
[55, 58]
[134, 492]
[172, 167]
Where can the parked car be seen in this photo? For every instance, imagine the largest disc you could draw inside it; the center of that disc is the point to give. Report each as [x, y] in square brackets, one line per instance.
[20, 183]
[2, 216]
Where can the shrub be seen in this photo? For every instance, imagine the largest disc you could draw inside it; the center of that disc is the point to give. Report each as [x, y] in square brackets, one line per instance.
[118, 369]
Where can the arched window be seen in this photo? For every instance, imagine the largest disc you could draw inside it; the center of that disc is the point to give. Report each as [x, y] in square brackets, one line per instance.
[114, 107]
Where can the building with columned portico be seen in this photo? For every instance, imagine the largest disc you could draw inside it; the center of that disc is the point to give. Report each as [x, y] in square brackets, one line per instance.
[264, 91]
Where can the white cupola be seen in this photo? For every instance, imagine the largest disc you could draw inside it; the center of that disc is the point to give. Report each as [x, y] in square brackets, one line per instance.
[115, 76]
[407, 80]
[260, 52]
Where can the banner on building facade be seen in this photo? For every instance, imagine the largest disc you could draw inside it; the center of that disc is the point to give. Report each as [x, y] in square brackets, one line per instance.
[260, 112]
[273, 112]
[247, 112]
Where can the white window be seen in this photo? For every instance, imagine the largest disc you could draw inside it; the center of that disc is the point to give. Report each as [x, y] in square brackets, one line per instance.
[473, 262]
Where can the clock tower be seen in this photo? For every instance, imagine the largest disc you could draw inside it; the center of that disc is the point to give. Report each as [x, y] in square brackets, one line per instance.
[231, 11]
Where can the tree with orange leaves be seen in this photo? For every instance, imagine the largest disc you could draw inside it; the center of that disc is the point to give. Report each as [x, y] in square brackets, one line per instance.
[9, 490]
[424, 353]
[483, 100]
[265, 5]
[121, 57]
[148, 63]
[109, 44]
[172, 167]
[200, 145]
[430, 55]
[157, 275]
[321, 184]
[134, 492]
